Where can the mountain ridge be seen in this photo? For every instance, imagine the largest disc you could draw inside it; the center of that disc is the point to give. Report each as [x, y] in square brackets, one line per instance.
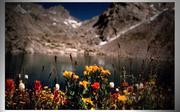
[33, 29]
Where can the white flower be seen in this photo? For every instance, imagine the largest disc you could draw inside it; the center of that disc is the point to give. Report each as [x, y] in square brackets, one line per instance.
[111, 84]
[137, 86]
[57, 87]
[21, 86]
[141, 85]
[26, 76]
[117, 89]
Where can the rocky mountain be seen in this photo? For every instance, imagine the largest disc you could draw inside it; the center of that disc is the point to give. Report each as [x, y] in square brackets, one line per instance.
[124, 29]
[146, 31]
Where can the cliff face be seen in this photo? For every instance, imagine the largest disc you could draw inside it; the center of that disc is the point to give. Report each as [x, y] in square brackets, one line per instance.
[125, 29]
[152, 35]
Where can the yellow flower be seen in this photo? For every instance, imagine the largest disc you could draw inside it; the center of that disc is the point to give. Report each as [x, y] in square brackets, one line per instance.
[45, 87]
[91, 69]
[122, 98]
[95, 68]
[125, 92]
[87, 100]
[86, 67]
[84, 83]
[92, 108]
[86, 73]
[75, 76]
[70, 74]
[61, 92]
[105, 72]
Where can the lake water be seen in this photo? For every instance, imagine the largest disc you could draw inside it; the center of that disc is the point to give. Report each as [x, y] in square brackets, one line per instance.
[39, 67]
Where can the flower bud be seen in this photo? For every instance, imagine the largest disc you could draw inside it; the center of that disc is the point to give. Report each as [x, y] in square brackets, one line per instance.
[21, 86]
[26, 76]
[57, 87]
[111, 84]
[141, 85]
[117, 89]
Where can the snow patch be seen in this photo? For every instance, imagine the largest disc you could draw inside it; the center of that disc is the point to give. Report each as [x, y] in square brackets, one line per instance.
[131, 28]
[102, 43]
[73, 23]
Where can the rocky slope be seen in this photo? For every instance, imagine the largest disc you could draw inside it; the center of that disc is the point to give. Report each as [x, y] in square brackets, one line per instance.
[124, 29]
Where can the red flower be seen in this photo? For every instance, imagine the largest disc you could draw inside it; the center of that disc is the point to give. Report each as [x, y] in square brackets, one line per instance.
[130, 89]
[115, 95]
[10, 85]
[37, 85]
[95, 85]
[56, 94]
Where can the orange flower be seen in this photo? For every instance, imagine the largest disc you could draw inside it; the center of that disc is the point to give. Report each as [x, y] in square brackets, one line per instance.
[91, 69]
[122, 98]
[87, 100]
[105, 72]
[70, 75]
[84, 83]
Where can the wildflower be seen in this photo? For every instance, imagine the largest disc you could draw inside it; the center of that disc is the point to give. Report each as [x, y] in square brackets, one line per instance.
[105, 72]
[37, 85]
[125, 92]
[75, 76]
[137, 86]
[21, 86]
[130, 89]
[141, 85]
[56, 95]
[111, 84]
[115, 95]
[85, 73]
[62, 93]
[26, 76]
[84, 83]
[87, 101]
[91, 69]
[57, 87]
[92, 108]
[95, 85]
[122, 98]
[45, 87]
[70, 75]
[117, 89]
[50, 96]
[10, 85]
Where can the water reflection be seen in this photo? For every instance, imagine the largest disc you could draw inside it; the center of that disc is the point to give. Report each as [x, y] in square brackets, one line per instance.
[47, 68]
